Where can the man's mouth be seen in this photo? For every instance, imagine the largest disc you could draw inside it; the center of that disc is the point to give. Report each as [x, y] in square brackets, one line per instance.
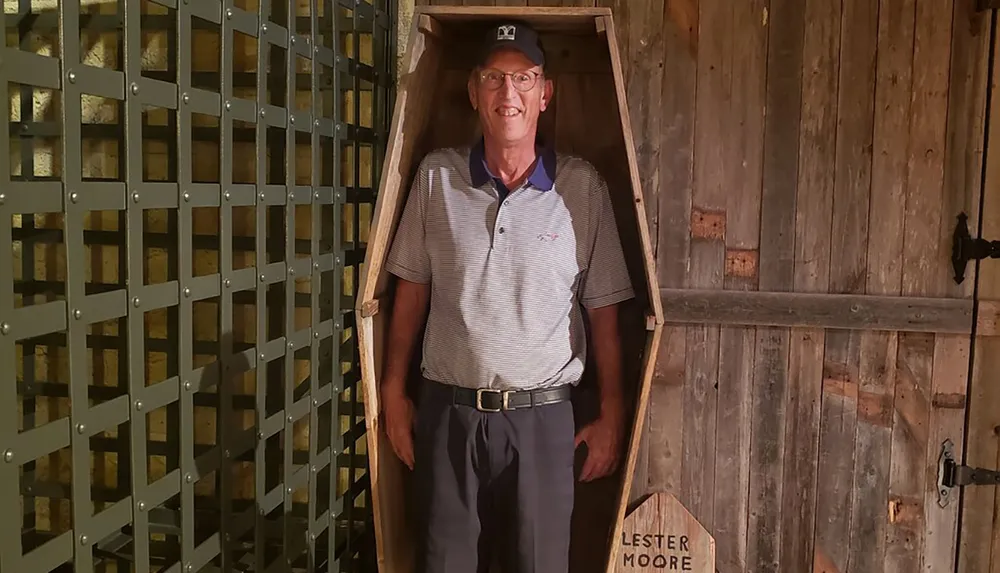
[507, 111]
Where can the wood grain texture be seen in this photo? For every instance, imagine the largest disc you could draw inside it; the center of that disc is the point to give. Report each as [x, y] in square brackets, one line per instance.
[707, 255]
[743, 149]
[848, 257]
[922, 274]
[877, 369]
[814, 205]
[979, 545]
[780, 176]
[839, 311]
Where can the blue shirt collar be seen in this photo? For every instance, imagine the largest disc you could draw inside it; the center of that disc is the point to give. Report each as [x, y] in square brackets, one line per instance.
[542, 177]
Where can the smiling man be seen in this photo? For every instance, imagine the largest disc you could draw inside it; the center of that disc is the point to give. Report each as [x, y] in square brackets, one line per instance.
[505, 248]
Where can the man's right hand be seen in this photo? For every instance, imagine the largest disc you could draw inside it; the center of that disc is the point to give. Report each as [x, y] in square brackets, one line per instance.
[398, 409]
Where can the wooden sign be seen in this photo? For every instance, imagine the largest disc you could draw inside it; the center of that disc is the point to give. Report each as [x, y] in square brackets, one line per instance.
[661, 535]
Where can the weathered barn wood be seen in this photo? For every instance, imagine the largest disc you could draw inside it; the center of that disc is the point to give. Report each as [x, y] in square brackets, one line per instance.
[590, 119]
[805, 163]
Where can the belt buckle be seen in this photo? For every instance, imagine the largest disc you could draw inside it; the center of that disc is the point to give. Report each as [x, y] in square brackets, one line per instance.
[479, 399]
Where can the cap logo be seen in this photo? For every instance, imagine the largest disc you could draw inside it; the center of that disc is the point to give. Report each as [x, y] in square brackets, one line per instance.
[505, 33]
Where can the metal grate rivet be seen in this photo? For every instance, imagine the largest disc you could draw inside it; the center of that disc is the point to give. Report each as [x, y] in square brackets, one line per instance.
[80, 428]
[289, 490]
[316, 195]
[136, 302]
[83, 540]
[264, 28]
[316, 123]
[8, 456]
[260, 435]
[186, 98]
[3, 198]
[312, 537]
[229, 105]
[227, 454]
[135, 197]
[189, 478]
[5, 328]
[291, 345]
[138, 405]
[187, 385]
[291, 271]
[293, 40]
[316, 335]
[227, 283]
[74, 197]
[187, 293]
[262, 356]
[315, 403]
[72, 77]
[261, 196]
[291, 119]
[226, 196]
[336, 325]
[290, 419]
[263, 112]
[316, 266]
[316, 49]
[142, 506]
[77, 314]
[186, 196]
[229, 14]
[291, 196]
[189, 568]
[135, 88]
[263, 278]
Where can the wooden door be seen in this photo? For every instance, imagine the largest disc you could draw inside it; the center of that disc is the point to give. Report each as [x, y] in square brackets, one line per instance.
[813, 160]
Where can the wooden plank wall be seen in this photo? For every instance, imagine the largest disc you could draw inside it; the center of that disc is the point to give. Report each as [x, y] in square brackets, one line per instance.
[820, 146]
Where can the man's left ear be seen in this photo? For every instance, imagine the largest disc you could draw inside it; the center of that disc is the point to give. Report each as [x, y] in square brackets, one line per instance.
[547, 93]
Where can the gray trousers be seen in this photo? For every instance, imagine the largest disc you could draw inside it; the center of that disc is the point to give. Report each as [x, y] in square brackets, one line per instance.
[492, 485]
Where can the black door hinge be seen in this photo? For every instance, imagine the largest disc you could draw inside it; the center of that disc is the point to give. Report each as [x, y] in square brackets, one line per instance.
[951, 474]
[964, 248]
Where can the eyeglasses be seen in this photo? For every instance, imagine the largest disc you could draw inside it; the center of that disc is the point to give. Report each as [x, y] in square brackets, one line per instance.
[523, 81]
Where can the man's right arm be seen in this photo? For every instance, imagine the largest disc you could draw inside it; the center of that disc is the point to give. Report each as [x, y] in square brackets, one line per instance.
[409, 310]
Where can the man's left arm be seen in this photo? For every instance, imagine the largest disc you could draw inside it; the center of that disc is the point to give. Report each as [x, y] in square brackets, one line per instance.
[607, 284]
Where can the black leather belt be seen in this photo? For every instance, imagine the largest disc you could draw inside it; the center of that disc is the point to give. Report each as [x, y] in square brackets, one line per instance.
[488, 400]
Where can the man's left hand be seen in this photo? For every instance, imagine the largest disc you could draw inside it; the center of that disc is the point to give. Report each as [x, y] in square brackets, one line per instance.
[603, 437]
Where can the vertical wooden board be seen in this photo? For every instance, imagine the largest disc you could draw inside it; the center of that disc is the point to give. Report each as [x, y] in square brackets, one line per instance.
[743, 152]
[666, 406]
[869, 519]
[841, 376]
[732, 443]
[708, 248]
[877, 369]
[813, 216]
[922, 275]
[980, 534]
[780, 175]
[948, 401]
[666, 413]
[904, 541]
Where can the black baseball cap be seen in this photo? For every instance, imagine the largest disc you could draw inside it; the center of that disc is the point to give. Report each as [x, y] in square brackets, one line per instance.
[513, 34]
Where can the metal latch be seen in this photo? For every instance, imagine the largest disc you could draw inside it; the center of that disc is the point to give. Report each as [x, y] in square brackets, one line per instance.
[952, 474]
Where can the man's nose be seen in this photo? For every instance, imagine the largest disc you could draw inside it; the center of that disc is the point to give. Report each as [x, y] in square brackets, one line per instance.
[507, 88]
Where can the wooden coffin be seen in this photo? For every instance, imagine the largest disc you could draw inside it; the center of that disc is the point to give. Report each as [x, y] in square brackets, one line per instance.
[590, 119]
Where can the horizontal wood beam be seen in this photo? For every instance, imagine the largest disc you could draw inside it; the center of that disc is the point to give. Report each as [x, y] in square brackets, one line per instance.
[837, 311]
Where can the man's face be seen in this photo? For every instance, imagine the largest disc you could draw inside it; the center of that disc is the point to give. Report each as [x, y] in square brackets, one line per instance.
[508, 109]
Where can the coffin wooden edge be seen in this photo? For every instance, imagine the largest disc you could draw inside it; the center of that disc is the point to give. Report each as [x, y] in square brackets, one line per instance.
[423, 30]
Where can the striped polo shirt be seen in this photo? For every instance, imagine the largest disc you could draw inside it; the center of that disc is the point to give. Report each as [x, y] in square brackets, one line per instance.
[509, 269]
